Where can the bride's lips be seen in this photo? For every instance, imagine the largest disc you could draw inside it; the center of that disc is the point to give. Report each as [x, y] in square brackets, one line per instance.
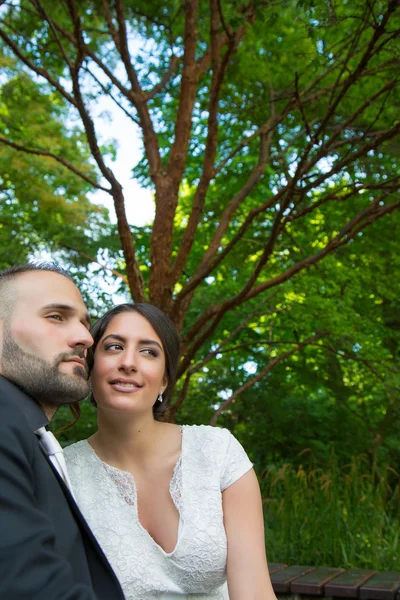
[125, 385]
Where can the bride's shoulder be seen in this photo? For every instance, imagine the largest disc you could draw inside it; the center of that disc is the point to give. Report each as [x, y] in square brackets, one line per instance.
[206, 430]
[207, 435]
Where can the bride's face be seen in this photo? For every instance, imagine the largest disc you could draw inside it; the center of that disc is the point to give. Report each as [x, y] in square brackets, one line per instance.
[129, 365]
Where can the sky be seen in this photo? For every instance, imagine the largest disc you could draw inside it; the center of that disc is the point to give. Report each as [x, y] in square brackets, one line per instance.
[114, 124]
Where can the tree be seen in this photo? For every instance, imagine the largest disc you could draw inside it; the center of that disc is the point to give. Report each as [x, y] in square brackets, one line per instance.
[270, 139]
[41, 201]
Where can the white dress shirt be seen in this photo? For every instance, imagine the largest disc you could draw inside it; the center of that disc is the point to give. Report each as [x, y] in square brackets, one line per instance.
[55, 453]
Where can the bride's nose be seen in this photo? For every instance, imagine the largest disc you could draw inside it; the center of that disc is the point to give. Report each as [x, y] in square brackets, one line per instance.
[128, 361]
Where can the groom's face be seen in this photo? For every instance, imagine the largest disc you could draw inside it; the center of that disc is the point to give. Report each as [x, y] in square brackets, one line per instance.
[46, 337]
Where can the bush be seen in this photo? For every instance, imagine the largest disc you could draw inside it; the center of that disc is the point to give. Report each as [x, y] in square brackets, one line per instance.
[340, 516]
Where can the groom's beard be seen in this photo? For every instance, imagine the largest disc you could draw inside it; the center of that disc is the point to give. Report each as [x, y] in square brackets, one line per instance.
[41, 379]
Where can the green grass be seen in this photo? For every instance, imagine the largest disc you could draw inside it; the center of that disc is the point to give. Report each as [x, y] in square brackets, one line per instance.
[340, 516]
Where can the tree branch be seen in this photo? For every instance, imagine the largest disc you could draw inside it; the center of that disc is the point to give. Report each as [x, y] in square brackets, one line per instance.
[391, 185]
[38, 70]
[187, 95]
[167, 185]
[110, 25]
[138, 97]
[227, 29]
[173, 65]
[94, 260]
[377, 140]
[173, 409]
[210, 261]
[128, 94]
[218, 72]
[217, 311]
[268, 127]
[59, 159]
[262, 374]
[79, 101]
[364, 219]
[135, 278]
[110, 95]
[41, 11]
[378, 33]
[301, 107]
[257, 312]
[199, 276]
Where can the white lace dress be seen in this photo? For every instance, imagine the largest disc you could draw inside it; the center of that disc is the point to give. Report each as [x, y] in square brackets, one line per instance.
[211, 460]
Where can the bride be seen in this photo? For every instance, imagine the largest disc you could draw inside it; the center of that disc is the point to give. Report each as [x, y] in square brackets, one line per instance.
[177, 510]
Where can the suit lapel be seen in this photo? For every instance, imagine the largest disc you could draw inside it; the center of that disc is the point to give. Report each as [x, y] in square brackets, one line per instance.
[81, 521]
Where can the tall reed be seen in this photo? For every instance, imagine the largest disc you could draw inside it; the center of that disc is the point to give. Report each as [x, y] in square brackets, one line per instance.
[341, 516]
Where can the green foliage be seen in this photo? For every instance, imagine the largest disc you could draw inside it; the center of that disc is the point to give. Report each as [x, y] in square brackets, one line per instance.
[347, 517]
[43, 205]
[341, 392]
[81, 430]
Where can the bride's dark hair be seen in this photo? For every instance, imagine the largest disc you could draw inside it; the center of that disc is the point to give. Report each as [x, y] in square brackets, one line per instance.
[166, 331]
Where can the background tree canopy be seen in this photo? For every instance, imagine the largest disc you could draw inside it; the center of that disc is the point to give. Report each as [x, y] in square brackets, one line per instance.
[271, 144]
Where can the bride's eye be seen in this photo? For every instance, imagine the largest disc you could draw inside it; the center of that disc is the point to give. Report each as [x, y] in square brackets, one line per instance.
[113, 347]
[150, 352]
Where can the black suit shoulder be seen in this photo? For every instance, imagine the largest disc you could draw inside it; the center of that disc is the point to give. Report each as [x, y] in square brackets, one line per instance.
[43, 549]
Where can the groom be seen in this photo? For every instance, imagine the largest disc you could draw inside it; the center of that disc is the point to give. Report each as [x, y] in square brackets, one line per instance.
[47, 550]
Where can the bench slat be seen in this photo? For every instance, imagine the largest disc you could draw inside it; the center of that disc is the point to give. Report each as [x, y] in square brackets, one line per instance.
[382, 586]
[348, 583]
[275, 567]
[282, 579]
[313, 582]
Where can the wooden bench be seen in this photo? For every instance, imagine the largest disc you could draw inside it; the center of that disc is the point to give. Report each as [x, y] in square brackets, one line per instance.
[309, 581]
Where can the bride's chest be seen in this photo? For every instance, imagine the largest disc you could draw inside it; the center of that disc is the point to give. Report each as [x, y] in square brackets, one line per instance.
[192, 512]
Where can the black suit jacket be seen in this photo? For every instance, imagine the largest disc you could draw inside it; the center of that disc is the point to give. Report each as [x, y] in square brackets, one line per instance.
[47, 551]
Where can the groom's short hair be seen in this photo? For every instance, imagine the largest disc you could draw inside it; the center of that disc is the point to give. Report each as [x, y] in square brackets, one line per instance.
[8, 277]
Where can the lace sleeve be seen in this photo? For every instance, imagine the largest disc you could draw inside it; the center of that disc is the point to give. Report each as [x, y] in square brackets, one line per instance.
[236, 462]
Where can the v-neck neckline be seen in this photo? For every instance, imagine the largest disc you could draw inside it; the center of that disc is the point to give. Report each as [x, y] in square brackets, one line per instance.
[126, 475]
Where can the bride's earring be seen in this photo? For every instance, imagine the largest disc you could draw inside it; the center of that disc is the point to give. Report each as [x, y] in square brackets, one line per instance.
[159, 397]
